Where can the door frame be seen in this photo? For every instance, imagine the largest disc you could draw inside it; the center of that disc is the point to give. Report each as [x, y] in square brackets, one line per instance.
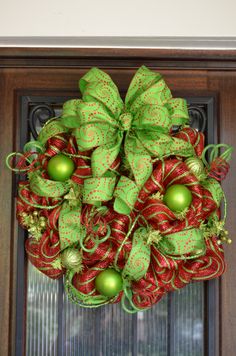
[198, 72]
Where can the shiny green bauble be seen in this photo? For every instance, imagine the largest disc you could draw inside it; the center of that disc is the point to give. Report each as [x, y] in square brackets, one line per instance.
[109, 282]
[196, 166]
[60, 167]
[178, 197]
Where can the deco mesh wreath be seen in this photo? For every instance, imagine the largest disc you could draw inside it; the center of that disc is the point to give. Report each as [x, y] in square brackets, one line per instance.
[117, 201]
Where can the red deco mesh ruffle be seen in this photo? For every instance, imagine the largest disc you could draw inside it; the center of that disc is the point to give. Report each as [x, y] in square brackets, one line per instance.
[164, 273]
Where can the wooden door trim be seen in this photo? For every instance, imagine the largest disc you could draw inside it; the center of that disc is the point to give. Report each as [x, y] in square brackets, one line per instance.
[117, 57]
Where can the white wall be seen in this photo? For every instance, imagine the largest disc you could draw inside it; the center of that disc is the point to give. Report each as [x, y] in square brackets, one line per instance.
[118, 18]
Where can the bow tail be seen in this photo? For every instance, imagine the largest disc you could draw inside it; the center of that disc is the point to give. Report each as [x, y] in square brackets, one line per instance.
[46, 187]
[103, 156]
[69, 219]
[140, 166]
[140, 255]
[138, 159]
[161, 145]
[69, 224]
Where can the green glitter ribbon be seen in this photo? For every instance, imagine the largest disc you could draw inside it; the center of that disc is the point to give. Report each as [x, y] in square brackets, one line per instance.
[185, 244]
[214, 152]
[103, 122]
[70, 195]
[139, 257]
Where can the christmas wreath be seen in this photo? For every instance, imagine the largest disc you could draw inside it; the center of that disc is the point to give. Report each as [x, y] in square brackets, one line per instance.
[121, 197]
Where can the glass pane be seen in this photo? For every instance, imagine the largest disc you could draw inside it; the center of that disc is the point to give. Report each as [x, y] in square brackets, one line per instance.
[103, 331]
[42, 314]
[153, 330]
[187, 318]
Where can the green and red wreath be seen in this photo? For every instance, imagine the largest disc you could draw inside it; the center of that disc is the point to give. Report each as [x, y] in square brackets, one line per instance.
[122, 205]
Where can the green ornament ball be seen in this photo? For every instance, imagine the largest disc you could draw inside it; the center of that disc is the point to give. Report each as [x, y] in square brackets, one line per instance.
[71, 259]
[177, 197]
[196, 167]
[60, 167]
[109, 282]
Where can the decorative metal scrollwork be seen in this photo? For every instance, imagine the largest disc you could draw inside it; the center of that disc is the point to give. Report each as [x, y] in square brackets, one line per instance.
[41, 113]
[198, 117]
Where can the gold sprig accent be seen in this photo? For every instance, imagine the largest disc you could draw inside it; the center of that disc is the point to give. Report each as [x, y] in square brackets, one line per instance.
[57, 263]
[154, 236]
[224, 237]
[35, 223]
[182, 214]
[157, 196]
[74, 196]
[216, 228]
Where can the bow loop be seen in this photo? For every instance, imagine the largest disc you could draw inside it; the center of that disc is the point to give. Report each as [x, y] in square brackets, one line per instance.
[97, 86]
[185, 244]
[97, 190]
[70, 116]
[47, 188]
[152, 118]
[146, 88]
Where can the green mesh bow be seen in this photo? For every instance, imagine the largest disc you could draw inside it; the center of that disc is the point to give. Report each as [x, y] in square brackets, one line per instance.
[142, 124]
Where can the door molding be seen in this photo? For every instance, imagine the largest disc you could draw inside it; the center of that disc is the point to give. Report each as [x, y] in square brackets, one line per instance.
[163, 42]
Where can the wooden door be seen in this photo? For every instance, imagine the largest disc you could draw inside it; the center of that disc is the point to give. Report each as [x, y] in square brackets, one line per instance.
[46, 77]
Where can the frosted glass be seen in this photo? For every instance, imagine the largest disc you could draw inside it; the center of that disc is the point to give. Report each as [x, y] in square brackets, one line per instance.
[42, 314]
[104, 331]
[153, 330]
[187, 319]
